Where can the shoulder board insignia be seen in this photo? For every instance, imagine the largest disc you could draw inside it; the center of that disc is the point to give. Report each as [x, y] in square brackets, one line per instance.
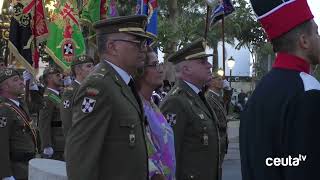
[69, 88]
[176, 91]
[100, 72]
[97, 75]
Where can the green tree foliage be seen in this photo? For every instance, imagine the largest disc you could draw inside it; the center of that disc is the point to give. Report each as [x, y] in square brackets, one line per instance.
[245, 27]
[240, 25]
[263, 53]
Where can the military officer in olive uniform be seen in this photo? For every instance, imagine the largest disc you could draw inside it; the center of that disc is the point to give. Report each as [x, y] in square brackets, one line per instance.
[81, 66]
[17, 136]
[215, 99]
[107, 136]
[193, 121]
[50, 125]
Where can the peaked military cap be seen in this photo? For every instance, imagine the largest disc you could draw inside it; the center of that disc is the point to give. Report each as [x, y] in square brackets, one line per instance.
[135, 25]
[81, 60]
[51, 70]
[278, 17]
[7, 73]
[195, 50]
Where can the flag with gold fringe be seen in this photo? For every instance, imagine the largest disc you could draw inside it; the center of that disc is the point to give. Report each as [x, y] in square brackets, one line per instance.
[65, 39]
[28, 28]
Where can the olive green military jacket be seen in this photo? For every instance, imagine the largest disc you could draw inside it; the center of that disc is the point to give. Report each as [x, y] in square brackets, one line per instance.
[195, 132]
[107, 137]
[216, 103]
[66, 106]
[17, 139]
[50, 124]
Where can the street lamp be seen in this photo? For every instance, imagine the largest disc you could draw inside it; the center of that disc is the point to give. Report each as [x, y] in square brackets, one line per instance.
[220, 72]
[230, 64]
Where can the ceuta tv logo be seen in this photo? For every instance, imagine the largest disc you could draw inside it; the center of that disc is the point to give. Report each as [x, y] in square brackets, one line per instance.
[288, 161]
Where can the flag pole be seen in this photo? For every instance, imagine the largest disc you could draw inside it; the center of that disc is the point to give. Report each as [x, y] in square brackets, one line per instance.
[27, 89]
[207, 23]
[141, 7]
[223, 46]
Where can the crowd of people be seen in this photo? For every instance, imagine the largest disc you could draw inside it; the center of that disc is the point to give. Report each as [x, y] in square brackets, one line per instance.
[118, 119]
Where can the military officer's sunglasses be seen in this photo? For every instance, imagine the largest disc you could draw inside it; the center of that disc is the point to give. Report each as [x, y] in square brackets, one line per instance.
[139, 43]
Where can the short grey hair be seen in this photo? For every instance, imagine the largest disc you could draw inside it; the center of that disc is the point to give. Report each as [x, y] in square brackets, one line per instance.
[179, 67]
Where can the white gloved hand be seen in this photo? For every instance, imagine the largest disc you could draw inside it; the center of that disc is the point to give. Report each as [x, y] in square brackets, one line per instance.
[9, 178]
[225, 84]
[27, 76]
[67, 80]
[48, 151]
[33, 87]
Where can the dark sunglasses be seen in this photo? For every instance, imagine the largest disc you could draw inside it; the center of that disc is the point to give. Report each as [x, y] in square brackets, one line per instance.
[139, 43]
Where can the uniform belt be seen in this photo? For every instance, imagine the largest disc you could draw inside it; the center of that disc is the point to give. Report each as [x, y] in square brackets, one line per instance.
[56, 124]
[21, 156]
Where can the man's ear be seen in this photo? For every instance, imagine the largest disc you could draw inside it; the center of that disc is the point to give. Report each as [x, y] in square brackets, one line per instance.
[4, 85]
[112, 48]
[304, 41]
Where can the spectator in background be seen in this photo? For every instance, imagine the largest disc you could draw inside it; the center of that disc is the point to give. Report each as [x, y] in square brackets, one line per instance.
[241, 98]
[227, 95]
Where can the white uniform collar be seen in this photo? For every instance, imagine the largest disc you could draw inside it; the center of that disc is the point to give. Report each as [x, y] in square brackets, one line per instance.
[55, 91]
[124, 75]
[193, 87]
[15, 102]
[77, 82]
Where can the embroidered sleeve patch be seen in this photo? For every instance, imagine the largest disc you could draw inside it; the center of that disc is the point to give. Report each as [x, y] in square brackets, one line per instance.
[66, 104]
[3, 122]
[171, 118]
[88, 105]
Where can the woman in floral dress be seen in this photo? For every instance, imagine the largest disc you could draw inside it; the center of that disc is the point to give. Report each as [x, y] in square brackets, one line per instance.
[160, 140]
